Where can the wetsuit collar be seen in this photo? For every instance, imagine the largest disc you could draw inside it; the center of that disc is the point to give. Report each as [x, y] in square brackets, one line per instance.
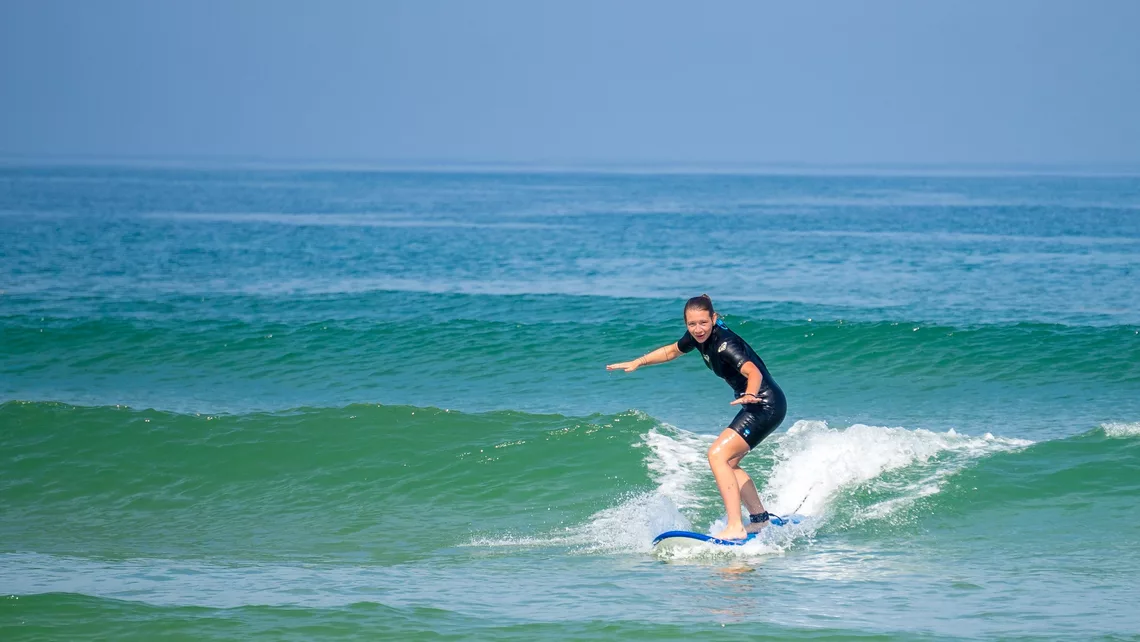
[714, 335]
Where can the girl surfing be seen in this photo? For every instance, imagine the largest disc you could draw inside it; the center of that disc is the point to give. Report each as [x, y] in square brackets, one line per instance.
[762, 406]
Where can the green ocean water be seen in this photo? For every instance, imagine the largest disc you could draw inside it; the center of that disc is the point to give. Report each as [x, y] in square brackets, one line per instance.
[297, 405]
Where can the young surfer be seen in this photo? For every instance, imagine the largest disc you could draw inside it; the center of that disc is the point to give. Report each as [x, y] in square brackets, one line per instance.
[762, 406]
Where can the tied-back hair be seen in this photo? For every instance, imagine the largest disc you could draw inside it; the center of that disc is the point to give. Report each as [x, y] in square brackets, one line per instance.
[702, 302]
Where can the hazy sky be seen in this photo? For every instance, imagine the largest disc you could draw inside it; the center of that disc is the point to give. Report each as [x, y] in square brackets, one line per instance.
[887, 82]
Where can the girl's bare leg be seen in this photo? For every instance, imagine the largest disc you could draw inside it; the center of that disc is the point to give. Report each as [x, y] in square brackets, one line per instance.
[724, 456]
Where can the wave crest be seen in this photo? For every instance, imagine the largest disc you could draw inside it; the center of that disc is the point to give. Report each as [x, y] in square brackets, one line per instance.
[1121, 430]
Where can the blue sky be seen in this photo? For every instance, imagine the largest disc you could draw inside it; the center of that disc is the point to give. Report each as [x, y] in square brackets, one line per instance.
[583, 82]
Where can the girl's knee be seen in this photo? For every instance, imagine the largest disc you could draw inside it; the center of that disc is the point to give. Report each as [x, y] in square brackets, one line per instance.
[716, 454]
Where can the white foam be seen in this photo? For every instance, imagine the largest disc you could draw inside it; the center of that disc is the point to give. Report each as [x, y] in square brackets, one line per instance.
[677, 463]
[1121, 430]
[814, 462]
[631, 525]
[694, 550]
[674, 466]
[677, 466]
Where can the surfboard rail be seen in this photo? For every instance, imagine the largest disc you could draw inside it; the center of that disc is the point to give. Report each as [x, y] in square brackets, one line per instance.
[701, 537]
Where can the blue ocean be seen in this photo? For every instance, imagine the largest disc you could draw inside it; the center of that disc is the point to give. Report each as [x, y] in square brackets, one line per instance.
[298, 404]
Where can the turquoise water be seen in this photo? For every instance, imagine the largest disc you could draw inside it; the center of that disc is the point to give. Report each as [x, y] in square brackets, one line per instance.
[296, 405]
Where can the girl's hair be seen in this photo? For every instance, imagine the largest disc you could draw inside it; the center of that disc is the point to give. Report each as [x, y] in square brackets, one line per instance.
[702, 302]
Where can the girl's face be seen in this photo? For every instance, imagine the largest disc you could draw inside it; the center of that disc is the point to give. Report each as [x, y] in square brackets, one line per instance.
[700, 324]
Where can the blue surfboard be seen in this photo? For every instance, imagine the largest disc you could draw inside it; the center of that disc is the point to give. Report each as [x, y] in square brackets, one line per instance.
[701, 537]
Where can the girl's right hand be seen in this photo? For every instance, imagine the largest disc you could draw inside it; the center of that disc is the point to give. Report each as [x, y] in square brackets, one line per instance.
[628, 366]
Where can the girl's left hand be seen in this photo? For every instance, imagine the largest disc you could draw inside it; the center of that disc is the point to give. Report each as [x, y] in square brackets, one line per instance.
[741, 400]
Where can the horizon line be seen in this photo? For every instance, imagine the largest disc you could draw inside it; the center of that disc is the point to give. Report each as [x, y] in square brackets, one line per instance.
[667, 167]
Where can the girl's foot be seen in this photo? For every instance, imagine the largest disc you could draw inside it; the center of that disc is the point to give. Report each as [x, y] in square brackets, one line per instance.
[732, 533]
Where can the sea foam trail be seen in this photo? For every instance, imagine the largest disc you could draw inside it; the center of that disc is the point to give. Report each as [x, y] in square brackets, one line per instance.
[814, 463]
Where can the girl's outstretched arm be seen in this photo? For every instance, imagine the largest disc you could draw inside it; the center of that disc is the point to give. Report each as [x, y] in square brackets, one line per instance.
[660, 355]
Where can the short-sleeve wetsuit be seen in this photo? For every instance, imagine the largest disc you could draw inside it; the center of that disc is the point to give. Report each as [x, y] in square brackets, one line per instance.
[725, 353]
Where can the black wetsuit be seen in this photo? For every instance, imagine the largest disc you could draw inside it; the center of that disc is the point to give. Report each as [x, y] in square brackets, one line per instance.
[724, 353]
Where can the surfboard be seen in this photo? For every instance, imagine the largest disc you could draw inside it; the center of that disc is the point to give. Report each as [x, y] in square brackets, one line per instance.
[677, 537]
